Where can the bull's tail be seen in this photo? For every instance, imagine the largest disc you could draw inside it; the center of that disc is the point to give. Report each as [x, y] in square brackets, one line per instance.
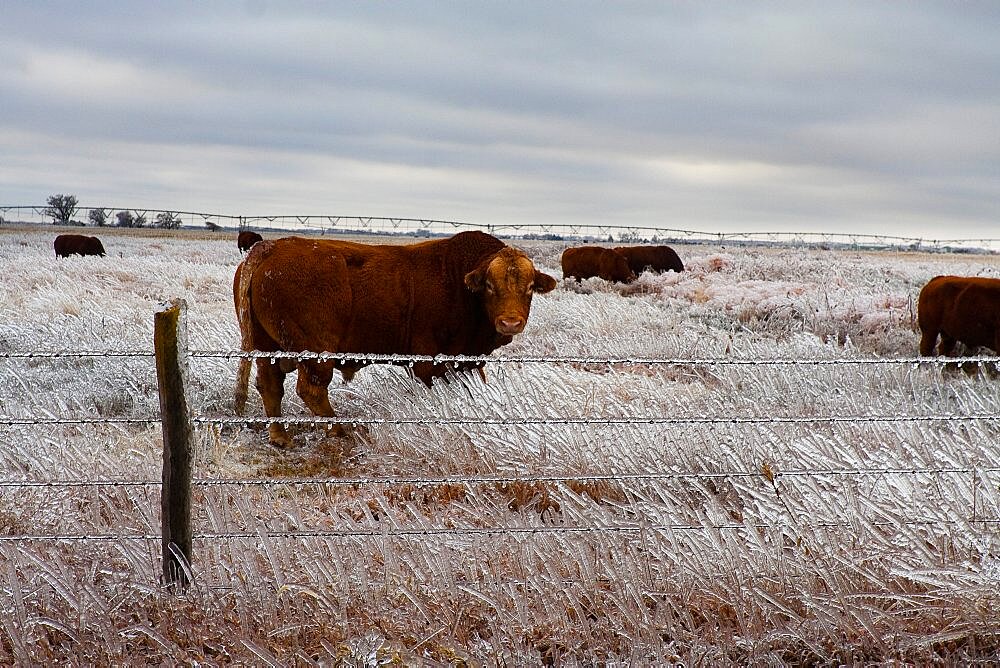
[241, 297]
[242, 385]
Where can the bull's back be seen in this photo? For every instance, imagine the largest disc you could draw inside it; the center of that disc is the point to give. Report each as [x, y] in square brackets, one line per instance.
[349, 297]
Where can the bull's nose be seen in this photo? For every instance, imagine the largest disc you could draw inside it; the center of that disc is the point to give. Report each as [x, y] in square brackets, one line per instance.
[510, 326]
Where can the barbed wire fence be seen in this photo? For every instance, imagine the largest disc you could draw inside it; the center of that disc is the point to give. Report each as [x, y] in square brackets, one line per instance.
[386, 225]
[176, 555]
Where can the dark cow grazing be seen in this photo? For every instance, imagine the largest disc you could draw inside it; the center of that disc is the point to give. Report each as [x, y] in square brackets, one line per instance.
[246, 239]
[77, 244]
[654, 258]
[465, 295]
[589, 261]
[960, 310]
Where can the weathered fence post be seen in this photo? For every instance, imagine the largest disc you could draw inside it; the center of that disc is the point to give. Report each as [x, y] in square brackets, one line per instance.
[170, 344]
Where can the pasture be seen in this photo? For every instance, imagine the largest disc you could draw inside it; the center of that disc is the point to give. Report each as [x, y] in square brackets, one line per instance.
[686, 509]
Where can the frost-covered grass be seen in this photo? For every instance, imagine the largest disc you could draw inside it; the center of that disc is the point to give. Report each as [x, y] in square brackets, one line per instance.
[774, 542]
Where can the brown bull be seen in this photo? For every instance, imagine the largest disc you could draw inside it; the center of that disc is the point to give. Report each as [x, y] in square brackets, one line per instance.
[246, 239]
[590, 261]
[654, 258]
[465, 295]
[77, 244]
[959, 310]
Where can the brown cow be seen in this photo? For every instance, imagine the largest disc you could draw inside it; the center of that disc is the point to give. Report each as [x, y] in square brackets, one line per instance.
[961, 310]
[465, 295]
[654, 258]
[589, 261]
[77, 244]
[246, 239]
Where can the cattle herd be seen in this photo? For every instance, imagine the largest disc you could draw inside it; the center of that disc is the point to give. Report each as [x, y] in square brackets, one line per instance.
[467, 294]
[622, 264]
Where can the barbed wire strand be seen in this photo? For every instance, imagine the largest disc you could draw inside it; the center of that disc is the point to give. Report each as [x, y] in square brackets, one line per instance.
[423, 481]
[588, 359]
[405, 360]
[518, 421]
[492, 531]
[47, 354]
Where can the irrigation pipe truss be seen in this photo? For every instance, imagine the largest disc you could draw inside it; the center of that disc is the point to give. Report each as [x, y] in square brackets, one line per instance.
[333, 222]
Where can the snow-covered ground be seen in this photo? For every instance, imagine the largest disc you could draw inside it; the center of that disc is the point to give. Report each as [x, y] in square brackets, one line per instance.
[748, 518]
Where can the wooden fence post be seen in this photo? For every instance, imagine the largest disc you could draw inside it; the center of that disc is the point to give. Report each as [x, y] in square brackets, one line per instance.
[170, 344]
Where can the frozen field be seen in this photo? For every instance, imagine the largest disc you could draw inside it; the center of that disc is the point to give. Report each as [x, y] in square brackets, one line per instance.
[703, 512]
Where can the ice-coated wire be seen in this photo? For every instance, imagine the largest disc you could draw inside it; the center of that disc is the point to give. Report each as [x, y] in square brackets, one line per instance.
[487, 531]
[20, 422]
[573, 359]
[399, 359]
[49, 354]
[513, 478]
[608, 420]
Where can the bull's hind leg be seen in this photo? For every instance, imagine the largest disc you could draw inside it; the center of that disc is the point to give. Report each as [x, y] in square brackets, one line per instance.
[314, 379]
[271, 385]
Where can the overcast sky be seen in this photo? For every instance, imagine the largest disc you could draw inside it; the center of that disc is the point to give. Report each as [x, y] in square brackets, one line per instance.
[879, 117]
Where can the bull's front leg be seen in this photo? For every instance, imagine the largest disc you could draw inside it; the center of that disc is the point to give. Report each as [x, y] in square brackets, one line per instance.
[928, 339]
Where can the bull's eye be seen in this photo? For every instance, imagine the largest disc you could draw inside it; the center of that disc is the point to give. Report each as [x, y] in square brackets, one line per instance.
[489, 287]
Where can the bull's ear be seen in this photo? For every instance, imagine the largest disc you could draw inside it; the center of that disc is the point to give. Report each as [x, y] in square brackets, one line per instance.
[475, 280]
[543, 282]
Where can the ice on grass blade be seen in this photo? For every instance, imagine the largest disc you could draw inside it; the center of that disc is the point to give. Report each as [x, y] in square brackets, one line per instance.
[180, 562]
[262, 654]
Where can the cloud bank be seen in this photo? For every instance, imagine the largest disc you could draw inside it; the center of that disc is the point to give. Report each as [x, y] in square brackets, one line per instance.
[832, 117]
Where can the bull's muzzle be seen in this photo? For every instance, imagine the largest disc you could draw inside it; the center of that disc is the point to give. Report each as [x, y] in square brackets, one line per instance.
[509, 325]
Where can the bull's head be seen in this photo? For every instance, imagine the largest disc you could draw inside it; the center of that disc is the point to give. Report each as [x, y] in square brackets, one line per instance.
[507, 281]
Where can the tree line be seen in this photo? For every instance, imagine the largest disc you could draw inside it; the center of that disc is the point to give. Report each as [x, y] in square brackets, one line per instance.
[62, 208]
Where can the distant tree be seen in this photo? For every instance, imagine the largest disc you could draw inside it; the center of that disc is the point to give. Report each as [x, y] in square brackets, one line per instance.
[140, 220]
[125, 219]
[61, 208]
[167, 221]
[98, 217]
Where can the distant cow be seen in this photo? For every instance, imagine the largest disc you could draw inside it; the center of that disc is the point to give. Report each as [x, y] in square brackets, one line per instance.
[465, 295]
[589, 261]
[77, 244]
[246, 239]
[654, 258]
[959, 310]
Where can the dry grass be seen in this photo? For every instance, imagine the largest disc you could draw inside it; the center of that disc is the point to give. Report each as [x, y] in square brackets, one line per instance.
[772, 543]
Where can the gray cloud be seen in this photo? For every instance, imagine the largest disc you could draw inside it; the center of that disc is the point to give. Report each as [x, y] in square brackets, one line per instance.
[824, 116]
